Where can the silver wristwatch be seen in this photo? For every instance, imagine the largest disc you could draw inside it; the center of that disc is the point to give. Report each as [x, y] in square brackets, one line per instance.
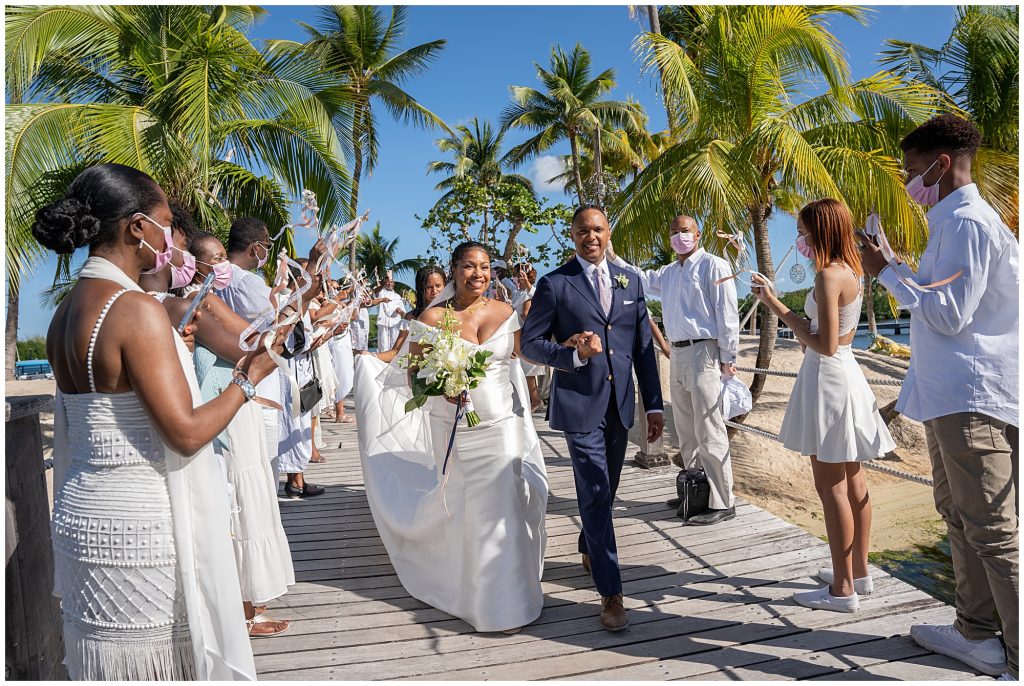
[247, 388]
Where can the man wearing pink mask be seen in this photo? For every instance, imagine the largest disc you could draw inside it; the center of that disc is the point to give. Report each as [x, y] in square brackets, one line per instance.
[703, 328]
[963, 386]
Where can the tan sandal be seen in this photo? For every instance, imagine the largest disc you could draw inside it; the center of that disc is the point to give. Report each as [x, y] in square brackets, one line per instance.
[250, 626]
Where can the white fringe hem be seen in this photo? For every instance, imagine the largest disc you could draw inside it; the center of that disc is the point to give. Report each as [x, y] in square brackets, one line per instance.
[93, 654]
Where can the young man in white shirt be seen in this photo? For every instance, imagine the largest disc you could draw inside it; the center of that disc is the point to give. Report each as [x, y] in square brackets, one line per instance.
[963, 385]
[702, 325]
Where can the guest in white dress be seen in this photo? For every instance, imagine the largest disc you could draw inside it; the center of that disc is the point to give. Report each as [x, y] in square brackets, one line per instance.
[142, 558]
[341, 353]
[832, 414]
[430, 281]
[470, 542]
[262, 555]
[526, 275]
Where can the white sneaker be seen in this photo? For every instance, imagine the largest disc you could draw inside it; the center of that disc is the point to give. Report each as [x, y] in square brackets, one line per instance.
[822, 599]
[986, 656]
[863, 586]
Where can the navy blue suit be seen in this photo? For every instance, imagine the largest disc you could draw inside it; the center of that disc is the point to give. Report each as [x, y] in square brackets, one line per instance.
[593, 404]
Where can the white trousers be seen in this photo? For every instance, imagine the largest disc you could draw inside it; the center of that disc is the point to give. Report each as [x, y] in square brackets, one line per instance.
[696, 385]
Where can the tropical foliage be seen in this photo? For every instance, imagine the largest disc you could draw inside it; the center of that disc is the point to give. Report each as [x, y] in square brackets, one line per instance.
[177, 91]
[571, 107]
[768, 119]
[979, 68]
[378, 254]
[503, 212]
[357, 46]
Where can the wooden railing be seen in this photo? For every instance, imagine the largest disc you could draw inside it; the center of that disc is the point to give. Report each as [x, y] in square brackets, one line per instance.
[35, 644]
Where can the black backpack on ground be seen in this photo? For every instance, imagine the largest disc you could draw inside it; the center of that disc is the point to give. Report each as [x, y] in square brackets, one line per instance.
[694, 492]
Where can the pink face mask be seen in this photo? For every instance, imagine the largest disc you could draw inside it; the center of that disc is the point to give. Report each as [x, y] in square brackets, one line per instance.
[683, 243]
[802, 247]
[222, 274]
[924, 195]
[262, 260]
[162, 257]
[182, 276]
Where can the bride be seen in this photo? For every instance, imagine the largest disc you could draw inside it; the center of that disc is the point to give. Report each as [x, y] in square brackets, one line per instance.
[469, 542]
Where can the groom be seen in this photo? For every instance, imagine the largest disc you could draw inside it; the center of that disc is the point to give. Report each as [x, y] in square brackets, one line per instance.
[598, 309]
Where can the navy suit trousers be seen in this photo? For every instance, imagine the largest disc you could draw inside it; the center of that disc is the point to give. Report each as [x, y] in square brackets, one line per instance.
[597, 458]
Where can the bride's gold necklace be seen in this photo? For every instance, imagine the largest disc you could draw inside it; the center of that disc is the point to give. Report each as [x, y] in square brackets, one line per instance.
[472, 308]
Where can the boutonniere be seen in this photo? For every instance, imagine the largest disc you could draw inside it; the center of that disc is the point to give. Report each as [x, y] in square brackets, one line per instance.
[622, 281]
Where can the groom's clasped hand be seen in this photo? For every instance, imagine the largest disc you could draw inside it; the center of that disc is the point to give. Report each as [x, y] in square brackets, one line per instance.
[587, 344]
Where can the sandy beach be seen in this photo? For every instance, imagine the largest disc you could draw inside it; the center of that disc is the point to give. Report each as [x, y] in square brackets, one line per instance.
[780, 481]
[767, 474]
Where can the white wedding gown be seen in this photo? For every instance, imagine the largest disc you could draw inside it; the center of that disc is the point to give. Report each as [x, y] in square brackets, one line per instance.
[474, 546]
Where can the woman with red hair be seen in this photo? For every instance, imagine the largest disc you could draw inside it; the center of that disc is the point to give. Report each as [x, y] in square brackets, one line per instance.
[832, 415]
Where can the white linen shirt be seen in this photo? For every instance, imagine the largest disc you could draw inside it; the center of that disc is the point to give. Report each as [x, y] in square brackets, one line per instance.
[692, 306]
[387, 311]
[964, 335]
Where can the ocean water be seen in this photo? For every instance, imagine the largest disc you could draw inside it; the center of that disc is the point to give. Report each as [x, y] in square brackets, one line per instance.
[862, 340]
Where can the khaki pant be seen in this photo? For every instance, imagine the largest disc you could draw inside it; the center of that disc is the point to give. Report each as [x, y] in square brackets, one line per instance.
[696, 385]
[974, 464]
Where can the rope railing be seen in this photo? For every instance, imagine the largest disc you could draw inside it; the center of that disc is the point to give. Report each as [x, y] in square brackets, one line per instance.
[869, 464]
[792, 375]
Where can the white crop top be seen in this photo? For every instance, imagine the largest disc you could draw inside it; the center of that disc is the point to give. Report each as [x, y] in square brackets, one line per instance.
[849, 315]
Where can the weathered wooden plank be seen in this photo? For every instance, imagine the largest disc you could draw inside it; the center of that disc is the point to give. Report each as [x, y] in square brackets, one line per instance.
[710, 603]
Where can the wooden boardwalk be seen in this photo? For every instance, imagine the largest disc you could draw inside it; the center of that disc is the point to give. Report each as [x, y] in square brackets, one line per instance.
[705, 603]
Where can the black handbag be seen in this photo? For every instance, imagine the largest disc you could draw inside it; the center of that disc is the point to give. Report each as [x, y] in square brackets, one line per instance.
[311, 392]
[694, 492]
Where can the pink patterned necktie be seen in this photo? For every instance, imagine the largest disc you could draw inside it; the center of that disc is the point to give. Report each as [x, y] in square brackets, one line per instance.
[603, 296]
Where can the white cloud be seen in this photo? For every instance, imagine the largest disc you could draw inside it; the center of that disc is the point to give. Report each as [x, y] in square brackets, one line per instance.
[543, 168]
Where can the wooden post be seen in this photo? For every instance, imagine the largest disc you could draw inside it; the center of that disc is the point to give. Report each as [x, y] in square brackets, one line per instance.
[35, 641]
[651, 454]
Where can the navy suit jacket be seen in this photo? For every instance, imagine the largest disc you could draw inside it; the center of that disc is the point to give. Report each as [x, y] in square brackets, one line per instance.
[565, 304]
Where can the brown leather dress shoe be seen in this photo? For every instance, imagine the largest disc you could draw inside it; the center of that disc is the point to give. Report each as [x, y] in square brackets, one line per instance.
[586, 563]
[613, 616]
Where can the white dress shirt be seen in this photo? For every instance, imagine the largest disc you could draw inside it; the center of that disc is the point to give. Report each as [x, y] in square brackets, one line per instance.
[602, 268]
[964, 335]
[692, 306]
[387, 312]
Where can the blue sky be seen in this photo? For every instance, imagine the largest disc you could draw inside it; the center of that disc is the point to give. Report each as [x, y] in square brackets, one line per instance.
[490, 48]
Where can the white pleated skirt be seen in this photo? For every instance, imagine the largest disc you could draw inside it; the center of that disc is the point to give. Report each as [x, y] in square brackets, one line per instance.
[832, 413]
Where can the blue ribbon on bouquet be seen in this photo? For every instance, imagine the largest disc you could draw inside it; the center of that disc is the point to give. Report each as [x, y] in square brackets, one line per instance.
[460, 412]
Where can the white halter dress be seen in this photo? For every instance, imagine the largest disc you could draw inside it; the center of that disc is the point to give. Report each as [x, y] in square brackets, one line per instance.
[832, 413]
[142, 555]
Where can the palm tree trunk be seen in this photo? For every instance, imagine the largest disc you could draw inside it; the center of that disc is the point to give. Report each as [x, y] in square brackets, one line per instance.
[869, 298]
[357, 170]
[768, 321]
[11, 332]
[652, 15]
[576, 167]
[483, 229]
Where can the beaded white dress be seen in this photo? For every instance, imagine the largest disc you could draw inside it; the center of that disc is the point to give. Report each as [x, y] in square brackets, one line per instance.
[142, 553]
[115, 565]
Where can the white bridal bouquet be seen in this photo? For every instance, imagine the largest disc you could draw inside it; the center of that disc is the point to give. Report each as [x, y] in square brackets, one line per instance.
[449, 366]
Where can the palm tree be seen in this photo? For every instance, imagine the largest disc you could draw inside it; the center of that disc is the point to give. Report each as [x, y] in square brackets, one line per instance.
[476, 149]
[981, 60]
[376, 254]
[354, 45]
[745, 150]
[169, 90]
[570, 108]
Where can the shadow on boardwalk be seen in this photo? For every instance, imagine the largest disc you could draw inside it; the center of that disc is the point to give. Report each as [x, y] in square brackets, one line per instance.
[704, 603]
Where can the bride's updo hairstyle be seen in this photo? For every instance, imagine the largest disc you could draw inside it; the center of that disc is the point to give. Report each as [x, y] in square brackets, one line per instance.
[96, 202]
